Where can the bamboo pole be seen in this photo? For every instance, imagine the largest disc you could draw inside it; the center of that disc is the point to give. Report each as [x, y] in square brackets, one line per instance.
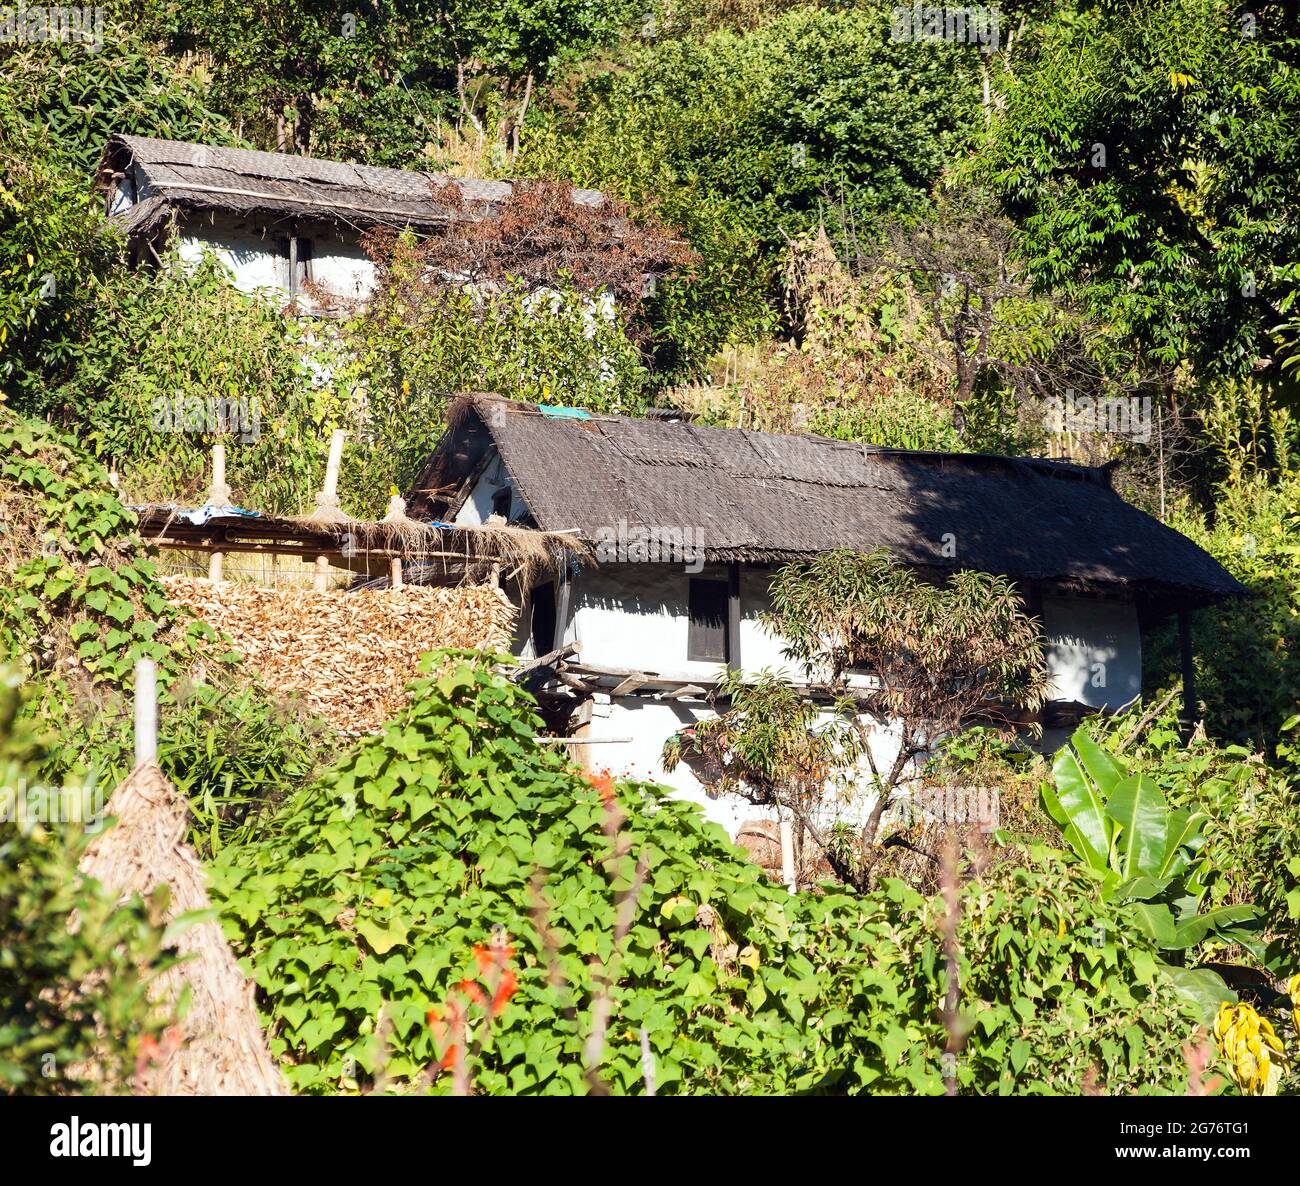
[218, 496]
[146, 711]
[327, 502]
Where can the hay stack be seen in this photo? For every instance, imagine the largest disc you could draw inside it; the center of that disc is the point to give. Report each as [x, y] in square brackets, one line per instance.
[222, 1049]
[348, 655]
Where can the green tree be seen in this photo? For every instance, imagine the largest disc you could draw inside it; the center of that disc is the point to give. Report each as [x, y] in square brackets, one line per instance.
[1148, 152]
[743, 140]
[938, 654]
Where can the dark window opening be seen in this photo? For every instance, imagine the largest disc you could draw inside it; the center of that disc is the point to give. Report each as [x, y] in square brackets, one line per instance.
[501, 502]
[544, 619]
[706, 640]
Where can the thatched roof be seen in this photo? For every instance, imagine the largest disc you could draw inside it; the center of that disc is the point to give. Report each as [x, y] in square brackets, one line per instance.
[434, 545]
[177, 175]
[221, 1049]
[755, 497]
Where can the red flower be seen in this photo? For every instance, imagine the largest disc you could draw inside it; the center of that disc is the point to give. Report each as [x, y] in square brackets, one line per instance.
[507, 987]
[471, 989]
[449, 1059]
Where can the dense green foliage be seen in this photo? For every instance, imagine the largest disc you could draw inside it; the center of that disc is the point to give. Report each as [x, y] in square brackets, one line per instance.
[370, 890]
[1149, 152]
[418, 344]
[361, 907]
[745, 139]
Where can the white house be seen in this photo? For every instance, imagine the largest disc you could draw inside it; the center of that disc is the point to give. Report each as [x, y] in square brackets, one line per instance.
[282, 224]
[685, 524]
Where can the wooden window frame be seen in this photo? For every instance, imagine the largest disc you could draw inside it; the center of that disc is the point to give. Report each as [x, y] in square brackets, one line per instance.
[708, 636]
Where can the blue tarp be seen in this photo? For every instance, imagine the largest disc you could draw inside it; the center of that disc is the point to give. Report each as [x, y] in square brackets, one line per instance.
[201, 515]
[562, 413]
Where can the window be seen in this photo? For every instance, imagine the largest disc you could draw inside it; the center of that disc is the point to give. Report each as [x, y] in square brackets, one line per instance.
[706, 640]
[544, 619]
[296, 253]
[501, 502]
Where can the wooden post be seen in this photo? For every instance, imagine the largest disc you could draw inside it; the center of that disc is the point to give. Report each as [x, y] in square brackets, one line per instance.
[563, 599]
[327, 501]
[733, 617]
[146, 711]
[330, 492]
[1189, 669]
[787, 854]
[219, 496]
[395, 572]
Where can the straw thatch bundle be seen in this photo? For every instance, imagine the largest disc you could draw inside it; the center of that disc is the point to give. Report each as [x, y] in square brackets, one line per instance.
[348, 655]
[222, 1049]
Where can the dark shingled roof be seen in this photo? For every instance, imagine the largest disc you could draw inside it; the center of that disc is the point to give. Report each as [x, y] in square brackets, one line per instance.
[203, 177]
[757, 496]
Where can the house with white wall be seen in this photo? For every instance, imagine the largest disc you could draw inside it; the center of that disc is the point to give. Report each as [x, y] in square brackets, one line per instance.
[685, 525]
[284, 225]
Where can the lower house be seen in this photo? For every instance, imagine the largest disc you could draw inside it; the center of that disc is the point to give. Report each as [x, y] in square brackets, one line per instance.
[685, 525]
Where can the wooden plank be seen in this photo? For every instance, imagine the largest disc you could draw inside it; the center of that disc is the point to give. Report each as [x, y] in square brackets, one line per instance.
[682, 692]
[563, 600]
[1189, 669]
[630, 685]
[733, 617]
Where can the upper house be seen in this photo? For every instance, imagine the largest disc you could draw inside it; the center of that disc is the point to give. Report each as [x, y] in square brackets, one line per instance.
[686, 524]
[289, 224]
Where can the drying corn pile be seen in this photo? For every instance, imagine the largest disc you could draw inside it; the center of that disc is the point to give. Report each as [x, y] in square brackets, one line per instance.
[348, 655]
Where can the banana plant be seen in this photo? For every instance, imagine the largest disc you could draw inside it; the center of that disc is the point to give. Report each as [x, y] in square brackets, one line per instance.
[1142, 851]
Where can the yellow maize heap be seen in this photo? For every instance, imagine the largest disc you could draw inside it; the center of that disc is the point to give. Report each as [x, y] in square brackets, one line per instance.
[1251, 1048]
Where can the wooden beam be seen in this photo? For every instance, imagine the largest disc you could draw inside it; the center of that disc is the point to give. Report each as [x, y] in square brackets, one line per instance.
[1189, 669]
[681, 693]
[547, 660]
[629, 685]
[218, 495]
[733, 617]
[563, 600]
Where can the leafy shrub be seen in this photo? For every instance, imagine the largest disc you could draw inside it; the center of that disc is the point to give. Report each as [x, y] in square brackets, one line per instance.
[1142, 851]
[369, 895]
[1248, 652]
[176, 358]
[75, 1015]
[1252, 837]
[1056, 988]
[421, 341]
